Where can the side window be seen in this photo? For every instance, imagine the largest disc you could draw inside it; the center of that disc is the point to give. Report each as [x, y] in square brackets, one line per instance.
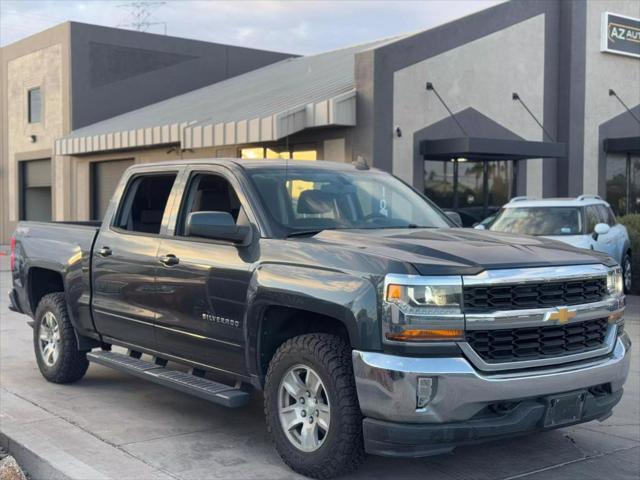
[592, 218]
[144, 202]
[211, 193]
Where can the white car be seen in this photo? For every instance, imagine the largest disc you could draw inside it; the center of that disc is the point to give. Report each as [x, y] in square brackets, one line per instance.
[584, 222]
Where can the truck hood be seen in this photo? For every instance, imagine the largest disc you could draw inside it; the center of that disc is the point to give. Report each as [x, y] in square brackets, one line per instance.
[459, 251]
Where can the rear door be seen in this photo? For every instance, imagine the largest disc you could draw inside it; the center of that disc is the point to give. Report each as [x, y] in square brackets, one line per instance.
[125, 258]
[201, 313]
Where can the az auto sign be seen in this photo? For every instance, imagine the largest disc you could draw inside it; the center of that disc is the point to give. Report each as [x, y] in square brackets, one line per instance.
[620, 34]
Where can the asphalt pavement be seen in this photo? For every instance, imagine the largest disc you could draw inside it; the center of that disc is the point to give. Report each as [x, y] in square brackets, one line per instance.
[111, 425]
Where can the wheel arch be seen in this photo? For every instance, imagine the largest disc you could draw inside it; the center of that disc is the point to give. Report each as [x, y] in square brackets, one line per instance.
[286, 301]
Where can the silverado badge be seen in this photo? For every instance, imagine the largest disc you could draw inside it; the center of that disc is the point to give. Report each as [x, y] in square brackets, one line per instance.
[562, 315]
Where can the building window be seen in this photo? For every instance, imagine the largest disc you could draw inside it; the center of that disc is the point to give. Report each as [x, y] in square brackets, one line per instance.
[623, 183]
[35, 105]
[474, 189]
[295, 152]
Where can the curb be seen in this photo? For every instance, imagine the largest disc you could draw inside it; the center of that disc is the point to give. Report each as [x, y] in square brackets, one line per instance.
[51, 465]
[50, 447]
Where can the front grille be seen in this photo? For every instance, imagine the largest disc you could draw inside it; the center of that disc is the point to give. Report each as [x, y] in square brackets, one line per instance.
[491, 298]
[517, 344]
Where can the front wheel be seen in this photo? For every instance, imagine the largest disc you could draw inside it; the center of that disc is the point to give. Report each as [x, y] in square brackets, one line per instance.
[55, 343]
[312, 408]
[627, 274]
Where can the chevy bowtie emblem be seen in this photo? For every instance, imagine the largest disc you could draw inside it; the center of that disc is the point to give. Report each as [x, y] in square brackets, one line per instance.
[562, 315]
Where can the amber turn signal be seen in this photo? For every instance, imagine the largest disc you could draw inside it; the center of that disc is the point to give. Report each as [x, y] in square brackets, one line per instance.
[421, 335]
[615, 316]
[394, 292]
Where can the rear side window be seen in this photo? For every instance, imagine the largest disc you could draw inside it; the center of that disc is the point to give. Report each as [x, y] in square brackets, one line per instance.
[143, 205]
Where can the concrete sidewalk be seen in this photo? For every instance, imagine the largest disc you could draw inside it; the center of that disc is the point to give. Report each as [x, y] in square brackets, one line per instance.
[110, 425]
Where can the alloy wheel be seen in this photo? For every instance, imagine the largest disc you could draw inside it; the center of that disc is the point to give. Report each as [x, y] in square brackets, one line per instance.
[304, 408]
[49, 340]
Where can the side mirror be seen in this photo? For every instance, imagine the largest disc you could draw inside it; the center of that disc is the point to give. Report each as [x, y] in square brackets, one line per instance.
[454, 217]
[480, 227]
[600, 229]
[217, 226]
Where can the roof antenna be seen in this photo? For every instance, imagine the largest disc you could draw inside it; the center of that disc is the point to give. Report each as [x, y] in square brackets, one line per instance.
[516, 97]
[360, 163]
[431, 88]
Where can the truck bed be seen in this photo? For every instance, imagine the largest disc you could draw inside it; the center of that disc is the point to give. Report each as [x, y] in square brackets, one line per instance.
[61, 247]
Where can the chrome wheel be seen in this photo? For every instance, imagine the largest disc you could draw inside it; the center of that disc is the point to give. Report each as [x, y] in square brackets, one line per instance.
[49, 340]
[303, 408]
[626, 274]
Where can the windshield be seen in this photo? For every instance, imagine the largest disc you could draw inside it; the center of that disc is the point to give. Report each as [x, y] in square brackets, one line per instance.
[539, 221]
[309, 199]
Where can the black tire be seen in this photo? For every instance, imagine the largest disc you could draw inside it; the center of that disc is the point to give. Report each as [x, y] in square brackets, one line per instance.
[342, 450]
[626, 264]
[71, 364]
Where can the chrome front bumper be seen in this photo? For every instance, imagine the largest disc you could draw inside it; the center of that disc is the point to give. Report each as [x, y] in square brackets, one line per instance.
[387, 384]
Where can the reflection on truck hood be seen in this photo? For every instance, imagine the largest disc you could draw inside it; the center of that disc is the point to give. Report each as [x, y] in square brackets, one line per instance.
[459, 250]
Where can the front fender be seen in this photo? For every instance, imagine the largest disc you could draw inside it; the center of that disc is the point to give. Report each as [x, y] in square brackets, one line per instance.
[348, 298]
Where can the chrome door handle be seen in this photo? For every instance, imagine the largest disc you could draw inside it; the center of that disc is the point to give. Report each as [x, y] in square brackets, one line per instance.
[105, 252]
[169, 260]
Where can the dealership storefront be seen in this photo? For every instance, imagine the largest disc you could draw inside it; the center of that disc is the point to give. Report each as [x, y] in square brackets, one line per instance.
[526, 98]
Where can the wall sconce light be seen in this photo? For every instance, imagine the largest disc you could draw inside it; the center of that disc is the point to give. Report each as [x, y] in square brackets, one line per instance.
[33, 138]
[398, 132]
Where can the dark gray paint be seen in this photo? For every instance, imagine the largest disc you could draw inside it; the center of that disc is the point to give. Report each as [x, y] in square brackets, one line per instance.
[571, 87]
[483, 148]
[564, 81]
[170, 66]
[477, 125]
[623, 125]
[416, 48]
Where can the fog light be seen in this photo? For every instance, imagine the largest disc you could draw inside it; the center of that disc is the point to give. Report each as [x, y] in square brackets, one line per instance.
[426, 390]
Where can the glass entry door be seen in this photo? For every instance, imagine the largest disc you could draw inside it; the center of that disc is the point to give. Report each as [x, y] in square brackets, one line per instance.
[623, 183]
[474, 189]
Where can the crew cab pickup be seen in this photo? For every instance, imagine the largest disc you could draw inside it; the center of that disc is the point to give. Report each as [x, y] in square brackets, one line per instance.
[369, 322]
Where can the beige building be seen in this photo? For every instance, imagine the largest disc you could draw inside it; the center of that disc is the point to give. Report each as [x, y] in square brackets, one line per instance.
[105, 99]
[73, 75]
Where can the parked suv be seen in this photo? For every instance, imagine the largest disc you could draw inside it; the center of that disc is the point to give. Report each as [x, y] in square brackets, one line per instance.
[369, 323]
[584, 222]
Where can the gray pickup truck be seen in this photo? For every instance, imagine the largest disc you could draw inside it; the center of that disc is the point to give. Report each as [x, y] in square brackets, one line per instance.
[369, 322]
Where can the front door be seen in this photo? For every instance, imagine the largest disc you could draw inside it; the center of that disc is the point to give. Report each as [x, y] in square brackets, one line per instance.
[125, 261]
[203, 288]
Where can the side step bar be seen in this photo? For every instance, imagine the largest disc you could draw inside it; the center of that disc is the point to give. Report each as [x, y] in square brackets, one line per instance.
[194, 385]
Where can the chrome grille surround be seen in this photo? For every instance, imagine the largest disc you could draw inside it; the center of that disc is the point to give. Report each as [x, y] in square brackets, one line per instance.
[538, 318]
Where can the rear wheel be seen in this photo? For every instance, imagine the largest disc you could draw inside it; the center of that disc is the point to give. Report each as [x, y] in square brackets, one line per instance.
[627, 275]
[55, 342]
[312, 408]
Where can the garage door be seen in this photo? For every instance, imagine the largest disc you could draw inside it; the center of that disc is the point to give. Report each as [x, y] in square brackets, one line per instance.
[36, 190]
[104, 180]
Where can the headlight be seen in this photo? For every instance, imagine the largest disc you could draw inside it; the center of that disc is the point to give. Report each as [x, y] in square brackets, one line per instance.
[614, 282]
[422, 309]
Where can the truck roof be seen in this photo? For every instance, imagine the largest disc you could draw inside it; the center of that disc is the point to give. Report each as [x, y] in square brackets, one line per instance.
[581, 201]
[253, 163]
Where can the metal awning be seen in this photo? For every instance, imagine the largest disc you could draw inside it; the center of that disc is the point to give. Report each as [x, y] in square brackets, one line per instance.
[622, 145]
[479, 149]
